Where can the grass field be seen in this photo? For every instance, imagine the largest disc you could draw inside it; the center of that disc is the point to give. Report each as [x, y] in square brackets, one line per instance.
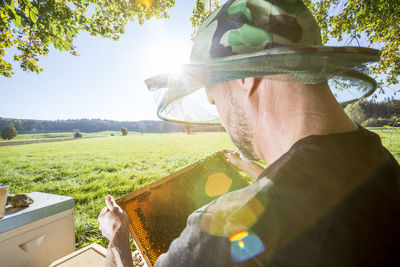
[89, 169]
[390, 138]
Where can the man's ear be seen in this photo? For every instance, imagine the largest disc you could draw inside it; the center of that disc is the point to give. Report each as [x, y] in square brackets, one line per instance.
[249, 84]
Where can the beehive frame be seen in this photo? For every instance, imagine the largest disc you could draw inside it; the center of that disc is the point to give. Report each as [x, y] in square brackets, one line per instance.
[150, 202]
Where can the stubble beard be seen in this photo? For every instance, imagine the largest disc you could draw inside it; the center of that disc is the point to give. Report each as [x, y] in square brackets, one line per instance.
[240, 131]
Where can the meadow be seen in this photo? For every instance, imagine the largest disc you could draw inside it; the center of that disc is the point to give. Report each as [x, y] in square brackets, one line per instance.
[89, 169]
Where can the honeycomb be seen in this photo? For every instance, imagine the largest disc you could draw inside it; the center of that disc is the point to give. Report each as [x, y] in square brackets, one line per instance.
[158, 212]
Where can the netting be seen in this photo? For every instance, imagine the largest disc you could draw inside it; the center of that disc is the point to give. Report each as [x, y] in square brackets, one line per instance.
[181, 96]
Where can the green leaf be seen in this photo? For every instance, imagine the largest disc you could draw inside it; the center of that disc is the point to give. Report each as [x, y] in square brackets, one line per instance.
[17, 21]
[66, 45]
[12, 9]
[53, 29]
[27, 11]
[33, 16]
[68, 33]
[34, 9]
[60, 30]
[55, 44]
[74, 30]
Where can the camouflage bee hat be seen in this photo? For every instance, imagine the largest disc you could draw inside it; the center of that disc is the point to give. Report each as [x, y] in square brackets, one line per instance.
[255, 38]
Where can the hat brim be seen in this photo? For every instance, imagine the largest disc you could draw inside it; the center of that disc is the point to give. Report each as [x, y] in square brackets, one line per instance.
[308, 65]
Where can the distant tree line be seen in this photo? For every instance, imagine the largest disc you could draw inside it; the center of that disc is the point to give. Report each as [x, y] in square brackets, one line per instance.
[98, 125]
[375, 114]
[386, 109]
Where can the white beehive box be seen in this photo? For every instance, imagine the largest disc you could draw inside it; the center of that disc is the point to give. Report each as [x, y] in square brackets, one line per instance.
[39, 234]
[91, 256]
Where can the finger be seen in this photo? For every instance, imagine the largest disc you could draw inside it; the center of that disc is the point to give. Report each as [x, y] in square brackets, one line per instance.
[110, 203]
[104, 210]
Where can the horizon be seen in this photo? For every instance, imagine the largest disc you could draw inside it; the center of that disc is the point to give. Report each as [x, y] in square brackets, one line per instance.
[382, 100]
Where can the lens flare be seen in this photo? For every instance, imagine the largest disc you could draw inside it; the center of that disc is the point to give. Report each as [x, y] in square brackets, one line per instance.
[241, 244]
[238, 236]
[232, 213]
[218, 184]
[245, 245]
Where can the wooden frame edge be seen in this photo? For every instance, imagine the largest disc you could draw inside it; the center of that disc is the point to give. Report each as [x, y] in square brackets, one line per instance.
[139, 247]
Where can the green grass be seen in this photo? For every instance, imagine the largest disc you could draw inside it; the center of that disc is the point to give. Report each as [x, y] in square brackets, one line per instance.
[390, 138]
[89, 169]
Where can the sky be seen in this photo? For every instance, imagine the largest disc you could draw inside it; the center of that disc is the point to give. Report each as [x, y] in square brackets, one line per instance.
[107, 80]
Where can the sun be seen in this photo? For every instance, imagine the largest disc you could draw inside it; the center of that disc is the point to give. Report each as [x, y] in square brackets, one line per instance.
[168, 55]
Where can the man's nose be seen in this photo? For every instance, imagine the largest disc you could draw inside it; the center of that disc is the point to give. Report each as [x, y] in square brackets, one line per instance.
[209, 97]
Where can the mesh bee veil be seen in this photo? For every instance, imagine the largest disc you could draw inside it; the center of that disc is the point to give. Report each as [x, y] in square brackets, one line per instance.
[257, 38]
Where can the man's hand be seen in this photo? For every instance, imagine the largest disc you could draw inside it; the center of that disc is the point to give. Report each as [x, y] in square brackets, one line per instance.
[114, 226]
[113, 220]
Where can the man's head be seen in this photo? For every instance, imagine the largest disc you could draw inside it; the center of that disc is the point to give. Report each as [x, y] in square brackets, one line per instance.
[277, 40]
[265, 116]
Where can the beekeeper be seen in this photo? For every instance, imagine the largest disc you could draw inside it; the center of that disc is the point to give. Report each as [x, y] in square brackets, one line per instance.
[330, 195]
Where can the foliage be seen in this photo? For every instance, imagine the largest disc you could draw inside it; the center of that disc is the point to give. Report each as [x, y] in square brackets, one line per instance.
[9, 132]
[386, 109]
[188, 127]
[376, 20]
[372, 122]
[355, 112]
[31, 26]
[124, 131]
[201, 11]
[77, 134]
[381, 122]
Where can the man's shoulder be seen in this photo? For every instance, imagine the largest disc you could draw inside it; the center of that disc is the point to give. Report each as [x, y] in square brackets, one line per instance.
[233, 212]
[206, 239]
[338, 154]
